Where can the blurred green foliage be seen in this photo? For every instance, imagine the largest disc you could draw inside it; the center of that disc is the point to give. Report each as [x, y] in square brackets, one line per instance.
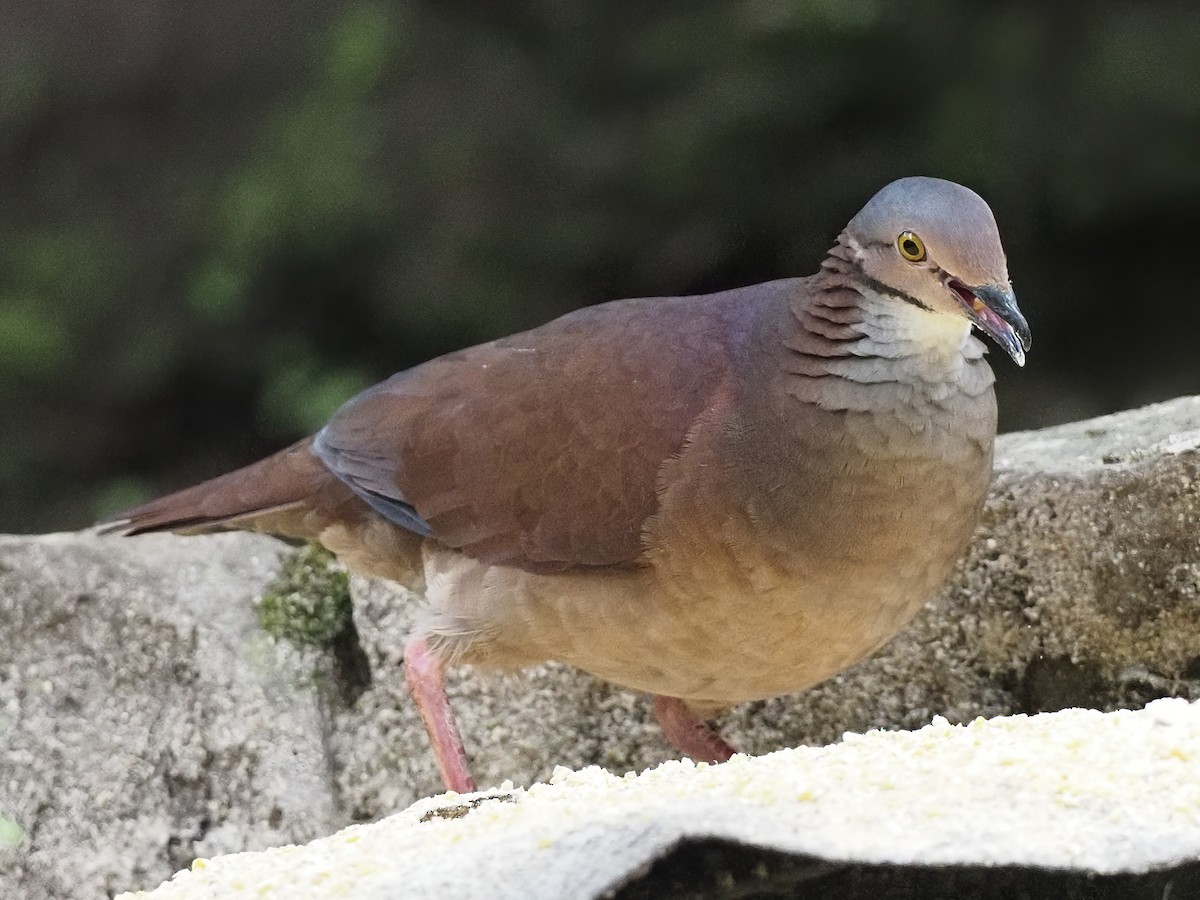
[218, 221]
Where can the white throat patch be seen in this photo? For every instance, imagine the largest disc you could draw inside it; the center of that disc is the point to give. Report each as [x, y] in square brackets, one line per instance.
[893, 328]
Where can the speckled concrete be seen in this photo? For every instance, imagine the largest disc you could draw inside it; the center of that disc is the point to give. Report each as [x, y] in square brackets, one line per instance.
[1076, 791]
[144, 716]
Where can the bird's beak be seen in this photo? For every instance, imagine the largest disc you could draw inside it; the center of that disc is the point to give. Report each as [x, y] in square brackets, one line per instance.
[993, 310]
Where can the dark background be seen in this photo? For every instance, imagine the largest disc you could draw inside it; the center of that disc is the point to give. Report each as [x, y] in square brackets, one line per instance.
[218, 220]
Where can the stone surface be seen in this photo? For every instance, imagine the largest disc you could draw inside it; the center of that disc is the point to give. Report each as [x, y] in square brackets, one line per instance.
[1094, 797]
[145, 717]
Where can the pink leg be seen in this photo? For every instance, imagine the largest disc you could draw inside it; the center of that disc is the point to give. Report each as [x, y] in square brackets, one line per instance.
[688, 734]
[423, 671]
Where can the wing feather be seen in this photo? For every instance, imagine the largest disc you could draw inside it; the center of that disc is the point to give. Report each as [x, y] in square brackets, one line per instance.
[541, 450]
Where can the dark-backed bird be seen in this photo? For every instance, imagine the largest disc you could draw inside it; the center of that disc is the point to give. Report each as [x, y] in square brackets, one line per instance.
[711, 499]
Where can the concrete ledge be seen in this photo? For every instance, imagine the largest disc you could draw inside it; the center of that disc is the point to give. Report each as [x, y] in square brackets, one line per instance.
[1015, 806]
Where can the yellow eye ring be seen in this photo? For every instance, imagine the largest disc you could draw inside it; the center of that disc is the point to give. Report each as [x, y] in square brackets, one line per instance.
[910, 246]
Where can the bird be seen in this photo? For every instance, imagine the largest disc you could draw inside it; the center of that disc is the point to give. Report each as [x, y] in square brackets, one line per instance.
[710, 499]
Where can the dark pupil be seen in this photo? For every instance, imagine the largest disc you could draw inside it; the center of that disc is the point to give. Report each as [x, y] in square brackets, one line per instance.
[910, 247]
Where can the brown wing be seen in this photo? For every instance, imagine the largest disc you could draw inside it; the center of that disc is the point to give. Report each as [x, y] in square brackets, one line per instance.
[541, 450]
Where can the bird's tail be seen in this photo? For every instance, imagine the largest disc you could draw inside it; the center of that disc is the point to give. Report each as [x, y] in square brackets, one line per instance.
[292, 495]
[271, 495]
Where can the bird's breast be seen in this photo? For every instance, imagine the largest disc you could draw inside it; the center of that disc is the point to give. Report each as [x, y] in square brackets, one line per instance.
[782, 551]
[819, 543]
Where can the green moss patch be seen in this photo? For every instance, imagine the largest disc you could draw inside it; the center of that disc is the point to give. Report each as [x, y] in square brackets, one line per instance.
[309, 603]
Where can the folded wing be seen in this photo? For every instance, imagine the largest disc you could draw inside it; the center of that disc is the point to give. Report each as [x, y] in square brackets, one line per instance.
[542, 450]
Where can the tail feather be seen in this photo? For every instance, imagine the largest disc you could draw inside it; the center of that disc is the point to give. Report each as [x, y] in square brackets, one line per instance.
[257, 497]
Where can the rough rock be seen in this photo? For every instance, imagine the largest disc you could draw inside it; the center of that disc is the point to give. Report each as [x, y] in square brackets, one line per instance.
[145, 717]
[1041, 807]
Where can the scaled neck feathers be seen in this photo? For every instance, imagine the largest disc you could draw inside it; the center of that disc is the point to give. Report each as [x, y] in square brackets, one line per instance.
[890, 323]
[856, 344]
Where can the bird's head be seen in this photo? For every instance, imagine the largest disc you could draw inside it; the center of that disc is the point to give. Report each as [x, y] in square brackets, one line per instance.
[934, 244]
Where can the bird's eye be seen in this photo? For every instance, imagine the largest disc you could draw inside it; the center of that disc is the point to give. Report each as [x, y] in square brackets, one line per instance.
[910, 246]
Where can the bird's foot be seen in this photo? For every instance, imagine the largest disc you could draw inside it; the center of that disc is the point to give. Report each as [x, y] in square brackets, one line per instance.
[689, 734]
[423, 671]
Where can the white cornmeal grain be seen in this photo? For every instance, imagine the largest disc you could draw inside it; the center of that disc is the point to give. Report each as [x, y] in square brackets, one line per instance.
[1076, 789]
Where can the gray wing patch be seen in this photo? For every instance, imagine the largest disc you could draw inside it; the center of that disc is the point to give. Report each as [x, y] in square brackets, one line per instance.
[369, 476]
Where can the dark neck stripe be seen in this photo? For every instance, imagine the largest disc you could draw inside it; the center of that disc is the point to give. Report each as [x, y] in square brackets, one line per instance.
[853, 268]
[881, 288]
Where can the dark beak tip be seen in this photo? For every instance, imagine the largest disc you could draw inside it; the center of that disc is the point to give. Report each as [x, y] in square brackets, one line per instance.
[1003, 305]
[1021, 327]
